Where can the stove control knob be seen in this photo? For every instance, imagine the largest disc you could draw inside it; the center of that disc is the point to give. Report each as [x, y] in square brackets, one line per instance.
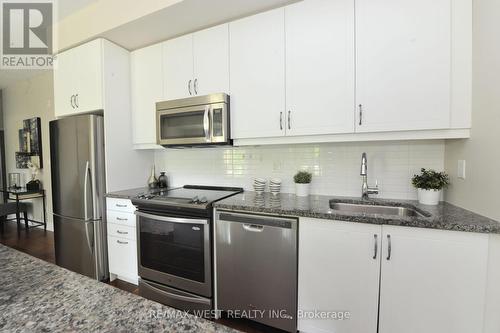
[203, 200]
[195, 200]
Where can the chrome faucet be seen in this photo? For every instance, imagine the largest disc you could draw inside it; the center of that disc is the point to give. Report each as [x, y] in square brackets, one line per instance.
[365, 189]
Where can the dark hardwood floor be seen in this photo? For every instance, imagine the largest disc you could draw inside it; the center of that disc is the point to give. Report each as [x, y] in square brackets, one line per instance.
[40, 244]
[35, 242]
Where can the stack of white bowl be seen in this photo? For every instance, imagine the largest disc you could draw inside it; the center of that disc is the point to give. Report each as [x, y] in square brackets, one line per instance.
[259, 185]
[275, 186]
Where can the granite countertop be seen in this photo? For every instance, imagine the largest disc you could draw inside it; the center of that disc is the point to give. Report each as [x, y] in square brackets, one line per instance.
[36, 296]
[129, 194]
[444, 216]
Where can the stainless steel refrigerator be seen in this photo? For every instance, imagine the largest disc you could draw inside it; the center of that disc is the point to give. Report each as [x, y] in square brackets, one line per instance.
[78, 188]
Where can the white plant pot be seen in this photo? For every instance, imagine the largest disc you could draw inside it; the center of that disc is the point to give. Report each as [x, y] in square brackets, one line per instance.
[302, 190]
[429, 197]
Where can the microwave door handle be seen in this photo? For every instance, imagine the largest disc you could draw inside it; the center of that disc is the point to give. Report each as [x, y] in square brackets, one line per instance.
[206, 123]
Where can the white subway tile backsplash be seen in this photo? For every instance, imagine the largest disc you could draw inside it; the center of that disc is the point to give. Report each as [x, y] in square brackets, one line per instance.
[335, 166]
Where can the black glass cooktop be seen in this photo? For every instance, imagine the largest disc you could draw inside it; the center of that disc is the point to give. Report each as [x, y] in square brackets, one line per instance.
[189, 195]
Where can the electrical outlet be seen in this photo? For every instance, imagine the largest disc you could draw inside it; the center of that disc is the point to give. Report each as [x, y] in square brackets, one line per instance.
[461, 169]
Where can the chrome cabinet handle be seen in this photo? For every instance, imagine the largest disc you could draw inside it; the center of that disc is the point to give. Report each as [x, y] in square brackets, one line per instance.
[375, 249]
[389, 247]
[121, 206]
[360, 114]
[71, 101]
[189, 87]
[289, 119]
[281, 120]
[195, 86]
[76, 101]
[121, 219]
[122, 232]
[120, 242]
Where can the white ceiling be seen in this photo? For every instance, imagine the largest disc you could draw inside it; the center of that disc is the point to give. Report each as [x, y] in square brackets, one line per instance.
[68, 7]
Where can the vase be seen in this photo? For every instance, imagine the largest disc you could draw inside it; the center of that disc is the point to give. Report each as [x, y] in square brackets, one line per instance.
[152, 181]
[302, 190]
[162, 180]
[429, 197]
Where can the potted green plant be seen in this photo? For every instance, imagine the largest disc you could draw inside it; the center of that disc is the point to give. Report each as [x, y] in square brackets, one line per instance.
[430, 184]
[302, 180]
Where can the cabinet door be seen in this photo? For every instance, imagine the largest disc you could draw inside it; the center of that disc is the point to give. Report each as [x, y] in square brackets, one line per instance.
[211, 60]
[147, 89]
[89, 76]
[122, 254]
[320, 67]
[403, 64]
[433, 281]
[65, 83]
[257, 72]
[339, 267]
[178, 67]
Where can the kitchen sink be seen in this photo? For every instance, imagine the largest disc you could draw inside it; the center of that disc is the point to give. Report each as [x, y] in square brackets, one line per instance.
[375, 209]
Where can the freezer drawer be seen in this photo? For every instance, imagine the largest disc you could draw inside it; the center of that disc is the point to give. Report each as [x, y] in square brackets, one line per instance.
[256, 260]
[75, 245]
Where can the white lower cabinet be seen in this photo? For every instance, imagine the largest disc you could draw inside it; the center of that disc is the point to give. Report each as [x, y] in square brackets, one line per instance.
[338, 272]
[433, 281]
[415, 280]
[123, 258]
[122, 240]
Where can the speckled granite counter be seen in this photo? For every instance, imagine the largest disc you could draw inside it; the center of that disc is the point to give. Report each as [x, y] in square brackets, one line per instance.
[36, 296]
[129, 194]
[444, 216]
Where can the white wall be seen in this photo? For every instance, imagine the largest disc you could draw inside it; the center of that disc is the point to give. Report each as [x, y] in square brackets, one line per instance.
[335, 166]
[479, 191]
[22, 100]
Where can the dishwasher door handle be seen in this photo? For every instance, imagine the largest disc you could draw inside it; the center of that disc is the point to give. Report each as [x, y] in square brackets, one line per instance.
[253, 227]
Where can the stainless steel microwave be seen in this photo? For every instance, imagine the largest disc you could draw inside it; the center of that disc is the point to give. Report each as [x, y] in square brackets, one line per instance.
[194, 121]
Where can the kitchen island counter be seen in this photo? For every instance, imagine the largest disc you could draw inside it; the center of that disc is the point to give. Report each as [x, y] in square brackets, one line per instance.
[37, 296]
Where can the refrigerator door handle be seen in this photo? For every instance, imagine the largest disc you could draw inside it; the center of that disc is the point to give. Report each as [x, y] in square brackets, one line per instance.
[90, 243]
[85, 194]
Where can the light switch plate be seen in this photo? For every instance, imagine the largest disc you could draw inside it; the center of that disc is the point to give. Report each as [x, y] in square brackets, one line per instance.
[461, 169]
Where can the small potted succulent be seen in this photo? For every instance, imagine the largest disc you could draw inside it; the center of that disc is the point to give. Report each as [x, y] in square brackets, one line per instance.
[302, 181]
[430, 184]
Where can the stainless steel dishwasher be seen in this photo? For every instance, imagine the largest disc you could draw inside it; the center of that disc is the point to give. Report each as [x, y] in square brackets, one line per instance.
[256, 257]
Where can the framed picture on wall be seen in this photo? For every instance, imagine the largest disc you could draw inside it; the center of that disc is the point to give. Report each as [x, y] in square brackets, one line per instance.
[30, 144]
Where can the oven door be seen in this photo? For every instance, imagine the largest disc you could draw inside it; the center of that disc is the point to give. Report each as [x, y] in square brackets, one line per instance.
[175, 252]
[184, 126]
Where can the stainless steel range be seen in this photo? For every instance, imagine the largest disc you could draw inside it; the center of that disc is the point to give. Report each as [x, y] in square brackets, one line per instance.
[174, 232]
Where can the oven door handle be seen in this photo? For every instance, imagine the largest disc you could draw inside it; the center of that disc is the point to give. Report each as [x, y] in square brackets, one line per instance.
[171, 219]
[175, 296]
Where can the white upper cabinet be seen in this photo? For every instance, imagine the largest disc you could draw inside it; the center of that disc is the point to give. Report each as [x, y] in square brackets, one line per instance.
[432, 281]
[211, 60]
[257, 75]
[403, 65]
[339, 269]
[320, 67]
[178, 67]
[197, 64]
[146, 90]
[78, 79]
